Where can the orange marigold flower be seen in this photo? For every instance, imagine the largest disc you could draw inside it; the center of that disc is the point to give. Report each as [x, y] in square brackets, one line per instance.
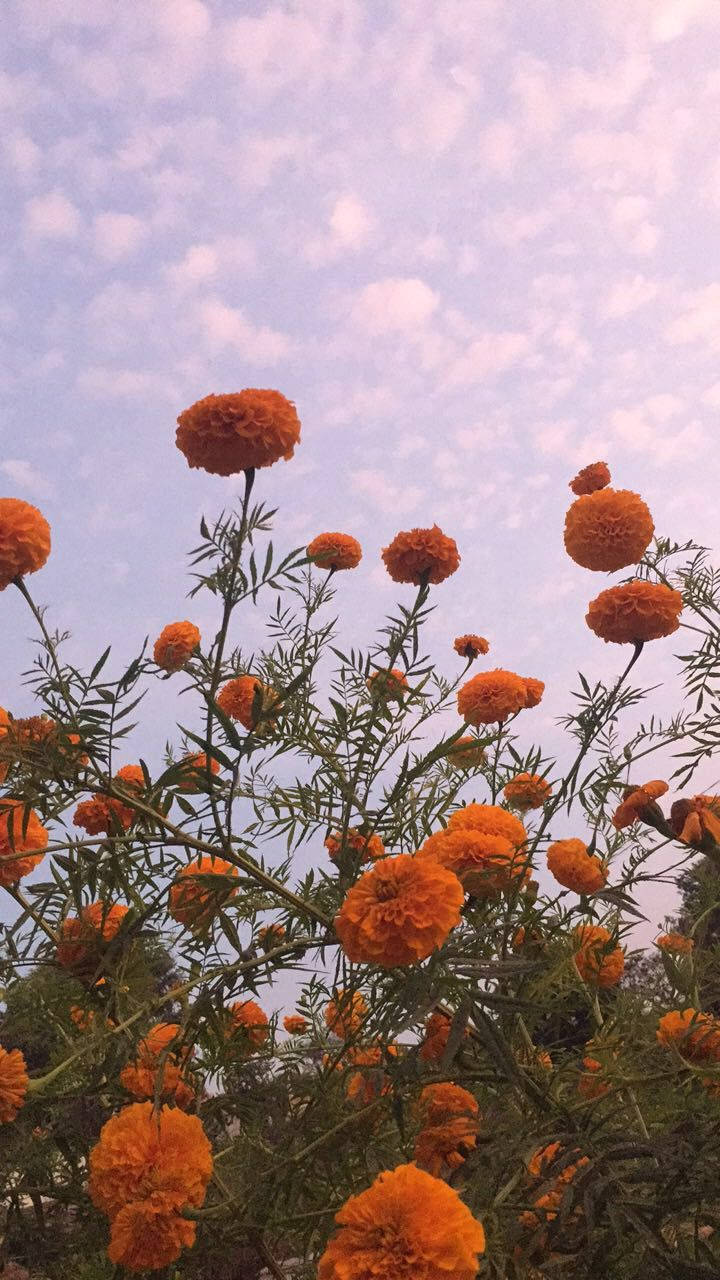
[295, 1024]
[591, 478]
[14, 1081]
[270, 935]
[231, 433]
[370, 1082]
[158, 1040]
[491, 820]
[175, 645]
[399, 911]
[145, 1170]
[370, 846]
[132, 776]
[697, 821]
[466, 753]
[608, 529]
[142, 1081]
[335, 551]
[527, 791]
[23, 840]
[675, 944]
[249, 1027]
[195, 899]
[81, 940]
[695, 1035]
[575, 868]
[484, 863]
[406, 1226]
[636, 801]
[491, 696]
[390, 685]
[435, 1039]
[195, 772]
[103, 815]
[635, 612]
[555, 1157]
[534, 690]
[471, 646]
[248, 700]
[421, 555]
[5, 721]
[345, 1013]
[24, 540]
[449, 1123]
[599, 963]
[590, 1084]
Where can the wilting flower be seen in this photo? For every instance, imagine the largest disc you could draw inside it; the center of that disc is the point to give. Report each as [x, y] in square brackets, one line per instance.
[175, 645]
[470, 646]
[82, 939]
[491, 696]
[195, 772]
[448, 1118]
[465, 753]
[635, 612]
[527, 791]
[591, 478]
[103, 815]
[24, 540]
[295, 1024]
[335, 551]
[399, 911]
[636, 801]
[231, 433]
[14, 1081]
[697, 821]
[270, 935]
[406, 1226]
[344, 1014]
[421, 555]
[695, 1035]
[574, 867]
[248, 1027]
[390, 685]
[248, 700]
[370, 846]
[145, 1170]
[676, 944]
[194, 898]
[608, 530]
[598, 961]
[484, 863]
[23, 840]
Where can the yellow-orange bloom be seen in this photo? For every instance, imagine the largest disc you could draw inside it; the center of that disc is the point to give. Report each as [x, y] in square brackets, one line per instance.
[608, 529]
[591, 478]
[466, 753]
[24, 540]
[142, 1080]
[449, 1122]
[103, 815]
[249, 1027]
[534, 690]
[484, 863]
[23, 840]
[695, 1035]
[635, 612]
[675, 944]
[697, 821]
[574, 867]
[270, 935]
[158, 1040]
[599, 963]
[591, 1084]
[175, 645]
[247, 699]
[370, 846]
[636, 801]
[399, 911]
[435, 1039]
[194, 898]
[335, 551]
[195, 772]
[295, 1024]
[370, 1081]
[231, 433]
[145, 1170]
[470, 646]
[421, 555]
[527, 791]
[81, 940]
[131, 776]
[390, 685]
[491, 820]
[406, 1226]
[344, 1014]
[14, 1081]
[5, 721]
[491, 696]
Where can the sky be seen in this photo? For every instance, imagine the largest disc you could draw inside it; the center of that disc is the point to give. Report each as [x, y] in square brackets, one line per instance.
[475, 241]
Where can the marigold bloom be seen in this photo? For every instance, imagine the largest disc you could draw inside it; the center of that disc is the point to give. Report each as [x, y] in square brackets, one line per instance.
[195, 772]
[449, 1122]
[390, 685]
[491, 820]
[546, 1158]
[575, 868]
[635, 612]
[24, 540]
[608, 529]
[231, 433]
[483, 863]
[335, 551]
[534, 690]
[247, 699]
[141, 1079]
[370, 846]
[697, 821]
[591, 478]
[590, 1084]
[145, 1170]
[636, 801]
[471, 646]
[81, 940]
[406, 1226]
[194, 901]
[399, 911]
[23, 840]
[527, 791]
[14, 1081]
[421, 555]
[5, 721]
[158, 1040]
[295, 1024]
[270, 935]
[131, 776]
[437, 1034]
[466, 753]
[249, 1027]
[345, 1013]
[88, 1019]
[491, 696]
[175, 645]
[675, 944]
[370, 1081]
[599, 963]
[695, 1035]
[103, 815]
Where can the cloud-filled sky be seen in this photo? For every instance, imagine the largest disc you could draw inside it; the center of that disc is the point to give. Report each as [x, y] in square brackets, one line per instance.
[474, 240]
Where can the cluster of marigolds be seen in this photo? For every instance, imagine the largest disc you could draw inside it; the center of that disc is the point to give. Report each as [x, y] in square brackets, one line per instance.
[152, 1164]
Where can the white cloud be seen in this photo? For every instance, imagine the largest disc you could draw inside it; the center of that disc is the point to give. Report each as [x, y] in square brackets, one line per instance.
[488, 356]
[672, 18]
[21, 153]
[101, 383]
[498, 148]
[275, 49]
[699, 319]
[52, 217]
[350, 226]
[205, 262]
[628, 295]
[394, 499]
[118, 235]
[711, 396]
[26, 477]
[512, 226]
[222, 326]
[394, 305]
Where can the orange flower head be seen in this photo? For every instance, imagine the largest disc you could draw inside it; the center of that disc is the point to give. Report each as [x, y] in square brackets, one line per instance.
[335, 551]
[144, 1081]
[471, 646]
[490, 820]
[491, 696]
[195, 772]
[636, 801]
[103, 815]
[195, 900]
[370, 847]
[608, 529]
[28, 740]
[534, 690]
[591, 478]
[421, 555]
[435, 1039]
[390, 685]
[466, 753]
[5, 722]
[82, 939]
[485, 864]
[544, 1160]
[635, 612]
[575, 868]
[399, 911]
[697, 821]
[599, 963]
[527, 791]
[158, 1040]
[131, 776]
[249, 1026]
[14, 1081]
[146, 1235]
[370, 1081]
[449, 1123]
[443, 1101]
[675, 944]
[175, 645]
[24, 540]
[344, 1014]
[295, 1024]
[406, 1226]
[249, 701]
[590, 1084]
[270, 935]
[695, 1035]
[23, 840]
[231, 433]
